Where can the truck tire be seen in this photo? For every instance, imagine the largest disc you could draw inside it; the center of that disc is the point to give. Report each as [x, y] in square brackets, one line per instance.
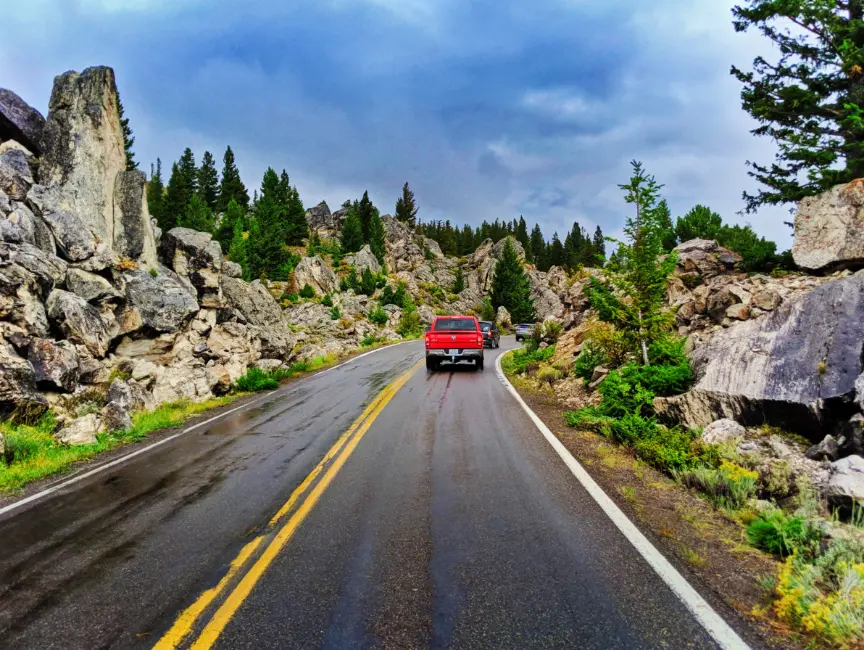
[479, 364]
[431, 366]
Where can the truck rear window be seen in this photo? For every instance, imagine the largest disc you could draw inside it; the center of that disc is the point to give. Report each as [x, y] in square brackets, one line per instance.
[455, 325]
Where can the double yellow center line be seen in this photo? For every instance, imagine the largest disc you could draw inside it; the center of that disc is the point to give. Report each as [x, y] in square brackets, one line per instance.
[330, 465]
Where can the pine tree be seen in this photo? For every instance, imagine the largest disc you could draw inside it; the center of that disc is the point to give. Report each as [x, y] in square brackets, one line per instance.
[448, 239]
[538, 248]
[233, 216]
[458, 282]
[632, 296]
[377, 238]
[177, 198]
[510, 286]
[811, 100]
[365, 210]
[197, 215]
[664, 218]
[187, 168]
[266, 248]
[699, 223]
[128, 138]
[599, 246]
[237, 248]
[156, 192]
[406, 208]
[521, 233]
[352, 233]
[232, 186]
[208, 181]
[556, 252]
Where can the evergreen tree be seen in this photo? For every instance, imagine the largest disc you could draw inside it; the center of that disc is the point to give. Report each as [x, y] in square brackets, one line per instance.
[352, 233]
[186, 167]
[510, 286]
[177, 198]
[128, 138]
[538, 248]
[266, 249]
[448, 239]
[156, 192]
[296, 226]
[232, 186]
[208, 181]
[365, 210]
[632, 296]
[233, 216]
[459, 281]
[377, 238]
[197, 215]
[699, 223]
[237, 248]
[811, 100]
[599, 246]
[664, 218]
[467, 243]
[555, 255]
[406, 208]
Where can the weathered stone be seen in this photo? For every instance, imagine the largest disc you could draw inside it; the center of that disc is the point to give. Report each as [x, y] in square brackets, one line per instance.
[48, 270]
[739, 311]
[502, 317]
[81, 431]
[498, 248]
[160, 303]
[794, 367]
[825, 450]
[72, 236]
[260, 309]
[82, 147]
[16, 178]
[20, 121]
[120, 402]
[5, 203]
[320, 218]
[313, 271]
[546, 301]
[91, 371]
[767, 300]
[859, 391]
[104, 259]
[18, 394]
[364, 259]
[182, 382]
[232, 269]
[426, 313]
[705, 257]
[196, 256]
[851, 439]
[719, 303]
[90, 286]
[55, 364]
[79, 321]
[829, 229]
[133, 232]
[721, 431]
[846, 484]
[10, 232]
[20, 301]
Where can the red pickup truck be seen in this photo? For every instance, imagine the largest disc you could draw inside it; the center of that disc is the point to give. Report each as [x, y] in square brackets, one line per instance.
[454, 339]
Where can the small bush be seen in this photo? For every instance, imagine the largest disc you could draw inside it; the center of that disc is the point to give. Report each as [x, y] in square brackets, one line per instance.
[730, 486]
[552, 330]
[410, 324]
[549, 375]
[153, 273]
[777, 533]
[368, 340]
[487, 311]
[592, 355]
[611, 341]
[327, 300]
[399, 297]
[307, 292]
[520, 360]
[335, 314]
[255, 380]
[378, 316]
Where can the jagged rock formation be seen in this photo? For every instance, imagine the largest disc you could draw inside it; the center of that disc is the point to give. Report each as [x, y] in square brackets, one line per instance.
[19, 121]
[829, 229]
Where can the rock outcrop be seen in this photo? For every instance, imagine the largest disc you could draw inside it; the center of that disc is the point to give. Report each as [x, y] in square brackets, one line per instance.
[197, 257]
[313, 271]
[20, 122]
[829, 229]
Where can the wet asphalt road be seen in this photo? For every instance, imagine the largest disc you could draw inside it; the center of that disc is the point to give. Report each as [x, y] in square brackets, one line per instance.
[452, 524]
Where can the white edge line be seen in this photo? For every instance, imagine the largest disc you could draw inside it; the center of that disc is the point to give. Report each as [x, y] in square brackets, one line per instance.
[713, 623]
[122, 459]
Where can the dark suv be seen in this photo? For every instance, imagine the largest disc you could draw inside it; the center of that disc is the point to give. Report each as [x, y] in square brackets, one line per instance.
[491, 335]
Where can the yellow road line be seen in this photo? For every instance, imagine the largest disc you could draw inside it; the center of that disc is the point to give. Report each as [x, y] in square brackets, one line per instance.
[186, 621]
[223, 615]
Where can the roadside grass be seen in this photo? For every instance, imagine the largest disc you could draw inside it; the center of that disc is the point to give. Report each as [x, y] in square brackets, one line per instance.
[32, 453]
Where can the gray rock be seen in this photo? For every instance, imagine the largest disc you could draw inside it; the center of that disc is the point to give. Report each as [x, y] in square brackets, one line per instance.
[23, 218]
[719, 303]
[20, 301]
[767, 299]
[825, 450]
[15, 175]
[546, 301]
[160, 303]
[794, 368]
[55, 364]
[232, 269]
[133, 232]
[11, 232]
[18, 394]
[82, 148]
[846, 483]
[196, 256]
[829, 229]
[72, 236]
[498, 248]
[20, 121]
[49, 270]
[313, 271]
[362, 260]
[859, 391]
[81, 431]
[320, 217]
[5, 203]
[103, 259]
[502, 317]
[90, 286]
[258, 308]
[119, 404]
[721, 431]
[705, 257]
[851, 439]
[79, 321]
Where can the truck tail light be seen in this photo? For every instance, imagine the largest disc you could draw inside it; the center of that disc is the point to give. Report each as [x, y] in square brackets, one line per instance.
[479, 339]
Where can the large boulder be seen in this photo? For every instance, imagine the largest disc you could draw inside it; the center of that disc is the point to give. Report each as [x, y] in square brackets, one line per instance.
[320, 218]
[133, 231]
[18, 394]
[846, 483]
[16, 178]
[829, 229]
[120, 402]
[794, 368]
[49, 271]
[705, 257]
[362, 260]
[258, 308]
[79, 321]
[20, 301]
[159, 302]
[71, 235]
[546, 302]
[82, 147]
[55, 364]
[498, 248]
[723, 431]
[198, 257]
[313, 271]
[81, 431]
[19, 121]
[91, 287]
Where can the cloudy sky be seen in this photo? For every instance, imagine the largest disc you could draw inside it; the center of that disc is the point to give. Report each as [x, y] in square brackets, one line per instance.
[489, 108]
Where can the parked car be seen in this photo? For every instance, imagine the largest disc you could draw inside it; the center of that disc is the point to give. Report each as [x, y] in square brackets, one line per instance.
[454, 339]
[491, 335]
[524, 331]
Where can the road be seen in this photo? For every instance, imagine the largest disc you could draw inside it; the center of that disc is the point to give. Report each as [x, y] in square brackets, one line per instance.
[442, 520]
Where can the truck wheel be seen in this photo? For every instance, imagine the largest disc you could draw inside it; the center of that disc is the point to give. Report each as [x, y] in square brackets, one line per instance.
[431, 366]
[479, 364]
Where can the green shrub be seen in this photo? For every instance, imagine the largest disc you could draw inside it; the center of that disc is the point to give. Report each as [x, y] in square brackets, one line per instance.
[549, 375]
[520, 360]
[327, 300]
[777, 533]
[255, 380]
[487, 310]
[378, 316]
[307, 292]
[669, 449]
[729, 486]
[410, 324]
[399, 297]
[335, 314]
[592, 355]
[154, 273]
[368, 340]
[552, 330]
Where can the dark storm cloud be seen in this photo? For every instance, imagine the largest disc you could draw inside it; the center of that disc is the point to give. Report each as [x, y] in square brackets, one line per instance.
[489, 109]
